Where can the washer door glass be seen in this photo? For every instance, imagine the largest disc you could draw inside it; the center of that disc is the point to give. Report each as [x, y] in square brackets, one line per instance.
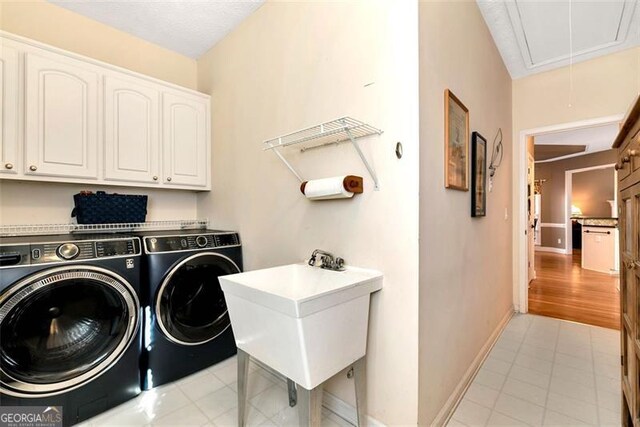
[62, 328]
[190, 305]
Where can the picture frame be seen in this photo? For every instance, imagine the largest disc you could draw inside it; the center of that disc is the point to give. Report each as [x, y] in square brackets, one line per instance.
[456, 140]
[478, 175]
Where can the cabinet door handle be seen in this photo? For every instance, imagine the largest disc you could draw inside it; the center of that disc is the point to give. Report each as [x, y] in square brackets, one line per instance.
[33, 168]
[155, 178]
[169, 178]
[633, 153]
[8, 165]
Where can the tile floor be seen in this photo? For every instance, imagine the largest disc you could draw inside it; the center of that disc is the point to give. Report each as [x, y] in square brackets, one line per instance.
[546, 372]
[208, 398]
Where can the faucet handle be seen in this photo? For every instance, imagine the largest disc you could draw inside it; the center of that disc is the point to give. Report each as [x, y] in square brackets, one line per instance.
[339, 263]
[312, 260]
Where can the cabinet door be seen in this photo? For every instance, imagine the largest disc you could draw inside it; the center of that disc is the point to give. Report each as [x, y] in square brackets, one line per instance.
[131, 131]
[9, 108]
[61, 112]
[185, 131]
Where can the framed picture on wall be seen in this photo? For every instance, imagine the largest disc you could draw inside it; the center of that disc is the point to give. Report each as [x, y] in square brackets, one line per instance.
[479, 175]
[456, 140]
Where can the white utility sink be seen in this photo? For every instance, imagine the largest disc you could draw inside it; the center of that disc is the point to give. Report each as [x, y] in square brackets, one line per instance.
[305, 322]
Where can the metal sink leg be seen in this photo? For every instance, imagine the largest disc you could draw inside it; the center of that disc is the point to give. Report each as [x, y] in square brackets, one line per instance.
[243, 376]
[310, 406]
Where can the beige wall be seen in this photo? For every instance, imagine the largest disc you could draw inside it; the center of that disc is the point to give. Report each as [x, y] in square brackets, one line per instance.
[465, 263]
[296, 64]
[51, 24]
[590, 191]
[593, 89]
[25, 202]
[553, 208]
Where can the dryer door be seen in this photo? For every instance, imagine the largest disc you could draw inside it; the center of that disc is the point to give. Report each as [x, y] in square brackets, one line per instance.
[190, 305]
[63, 327]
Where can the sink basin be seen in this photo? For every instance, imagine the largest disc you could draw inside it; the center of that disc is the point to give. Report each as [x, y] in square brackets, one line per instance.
[305, 322]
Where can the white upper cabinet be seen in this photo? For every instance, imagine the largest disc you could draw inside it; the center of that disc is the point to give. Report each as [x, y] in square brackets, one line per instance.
[132, 145]
[61, 116]
[9, 108]
[185, 139]
[68, 118]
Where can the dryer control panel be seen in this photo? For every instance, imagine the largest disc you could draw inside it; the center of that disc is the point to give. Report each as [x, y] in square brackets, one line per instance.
[189, 242]
[12, 255]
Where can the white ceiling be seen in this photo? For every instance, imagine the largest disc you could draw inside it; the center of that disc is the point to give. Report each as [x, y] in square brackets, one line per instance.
[189, 27]
[597, 138]
[534, 36]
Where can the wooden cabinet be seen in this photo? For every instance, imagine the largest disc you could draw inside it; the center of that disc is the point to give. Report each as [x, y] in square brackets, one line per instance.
[68, 118]
[628, 166]
[61, 117]
[185, 124]
[131, 120]
[9, 109]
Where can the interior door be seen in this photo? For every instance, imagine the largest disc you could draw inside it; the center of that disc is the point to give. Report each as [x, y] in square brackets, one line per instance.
[132, 141]
[61, 116]
[531, 243]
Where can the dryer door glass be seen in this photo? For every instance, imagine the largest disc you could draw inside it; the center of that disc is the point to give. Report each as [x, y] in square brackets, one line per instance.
[62, 328]
[190, 305]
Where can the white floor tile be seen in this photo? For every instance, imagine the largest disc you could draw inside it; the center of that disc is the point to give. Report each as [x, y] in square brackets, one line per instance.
[498, 419]
[230, 418]
[503, 354]
[482, 395]
[574, 390]
[573, 408]
[508, 343]
[490, 379]
[256, 384]
[188, 415]
[530, 376]
[271, 401]
[218, 402]
[574, 362]
[471, 413]
[554, 419]
[533, 363]
[576, 350]
[497, 365]
[539, 352]
[578, 376]
[200, 386]
[455, 423]
[519, 409]
[525, 391]
[610, 401]
[608, 417]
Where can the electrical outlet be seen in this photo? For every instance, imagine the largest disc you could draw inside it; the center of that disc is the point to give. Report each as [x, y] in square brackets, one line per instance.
[559, 241]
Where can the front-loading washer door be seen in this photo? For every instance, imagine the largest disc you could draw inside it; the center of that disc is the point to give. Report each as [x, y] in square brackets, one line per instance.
[62, 328]
[190, 306]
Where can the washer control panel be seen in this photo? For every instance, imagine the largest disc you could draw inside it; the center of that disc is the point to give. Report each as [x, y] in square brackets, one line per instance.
[190, 242]
[76, 250]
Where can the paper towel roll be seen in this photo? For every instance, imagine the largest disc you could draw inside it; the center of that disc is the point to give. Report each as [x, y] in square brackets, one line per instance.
[337, 187]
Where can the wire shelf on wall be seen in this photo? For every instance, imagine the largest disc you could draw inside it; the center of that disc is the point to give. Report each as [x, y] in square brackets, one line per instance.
[37, 229]
[329, 133]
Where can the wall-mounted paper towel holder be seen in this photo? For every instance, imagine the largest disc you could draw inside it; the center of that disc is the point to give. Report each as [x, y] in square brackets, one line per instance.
[332, 188]
[330, 133]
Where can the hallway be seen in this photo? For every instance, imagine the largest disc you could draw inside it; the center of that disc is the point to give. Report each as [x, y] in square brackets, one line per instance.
[544, 371]
[562, 289]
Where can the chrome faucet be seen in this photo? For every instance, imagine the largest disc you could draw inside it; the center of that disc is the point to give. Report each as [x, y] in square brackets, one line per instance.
[327, 260]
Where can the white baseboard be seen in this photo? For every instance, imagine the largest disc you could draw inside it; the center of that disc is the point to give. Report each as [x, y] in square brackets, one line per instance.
[330, 402]
[549, 249]
[452, 402]
[345, 411]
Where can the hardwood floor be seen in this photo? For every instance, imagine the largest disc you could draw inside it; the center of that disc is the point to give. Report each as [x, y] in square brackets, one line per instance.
[562, 289]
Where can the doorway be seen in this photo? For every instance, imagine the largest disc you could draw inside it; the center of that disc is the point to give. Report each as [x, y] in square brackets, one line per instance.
[550, 275]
